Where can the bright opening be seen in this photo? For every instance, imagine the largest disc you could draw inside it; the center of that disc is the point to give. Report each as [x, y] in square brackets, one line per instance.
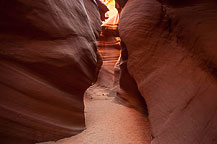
[112, 14]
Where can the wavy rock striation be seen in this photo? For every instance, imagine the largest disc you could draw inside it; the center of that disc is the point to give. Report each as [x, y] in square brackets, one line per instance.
[48, 58]
[172, 58]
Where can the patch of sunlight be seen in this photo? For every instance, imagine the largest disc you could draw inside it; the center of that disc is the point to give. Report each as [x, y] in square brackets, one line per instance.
[111, 6]
[112, 14]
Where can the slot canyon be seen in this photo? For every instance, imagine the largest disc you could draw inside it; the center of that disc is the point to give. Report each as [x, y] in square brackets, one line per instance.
[108, 72]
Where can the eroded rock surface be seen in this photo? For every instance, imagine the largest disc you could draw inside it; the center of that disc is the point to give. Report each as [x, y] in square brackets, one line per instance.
[48, 58]
[109, 46]
[172, 57]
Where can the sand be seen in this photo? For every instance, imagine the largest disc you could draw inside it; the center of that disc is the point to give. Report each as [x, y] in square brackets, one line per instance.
[109, 123]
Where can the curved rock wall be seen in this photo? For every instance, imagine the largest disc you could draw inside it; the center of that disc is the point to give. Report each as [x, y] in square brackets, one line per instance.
[48, 58]
[172, 57]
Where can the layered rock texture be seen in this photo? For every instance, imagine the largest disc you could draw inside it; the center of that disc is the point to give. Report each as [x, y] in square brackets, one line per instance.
[171, 55]
[48, 58]
[109, 47]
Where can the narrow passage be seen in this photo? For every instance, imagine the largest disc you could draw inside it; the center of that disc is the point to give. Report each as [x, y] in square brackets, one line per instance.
[108, 122]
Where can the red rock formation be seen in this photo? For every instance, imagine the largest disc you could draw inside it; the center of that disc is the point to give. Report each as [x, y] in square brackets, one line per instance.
[172, 57]
[121, 3]
[48, 58]
[102, 8]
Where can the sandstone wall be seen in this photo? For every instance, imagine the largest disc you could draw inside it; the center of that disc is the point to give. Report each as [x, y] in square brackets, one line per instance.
[48, 58]
[172, 57]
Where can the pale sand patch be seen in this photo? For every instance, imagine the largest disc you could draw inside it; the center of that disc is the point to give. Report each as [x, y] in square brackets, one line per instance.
[109, 123]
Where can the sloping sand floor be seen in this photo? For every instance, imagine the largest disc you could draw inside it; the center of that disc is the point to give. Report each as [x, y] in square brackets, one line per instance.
[109, 123]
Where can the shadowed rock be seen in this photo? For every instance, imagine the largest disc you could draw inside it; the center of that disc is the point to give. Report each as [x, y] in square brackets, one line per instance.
[172, 57]
[48, 58]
